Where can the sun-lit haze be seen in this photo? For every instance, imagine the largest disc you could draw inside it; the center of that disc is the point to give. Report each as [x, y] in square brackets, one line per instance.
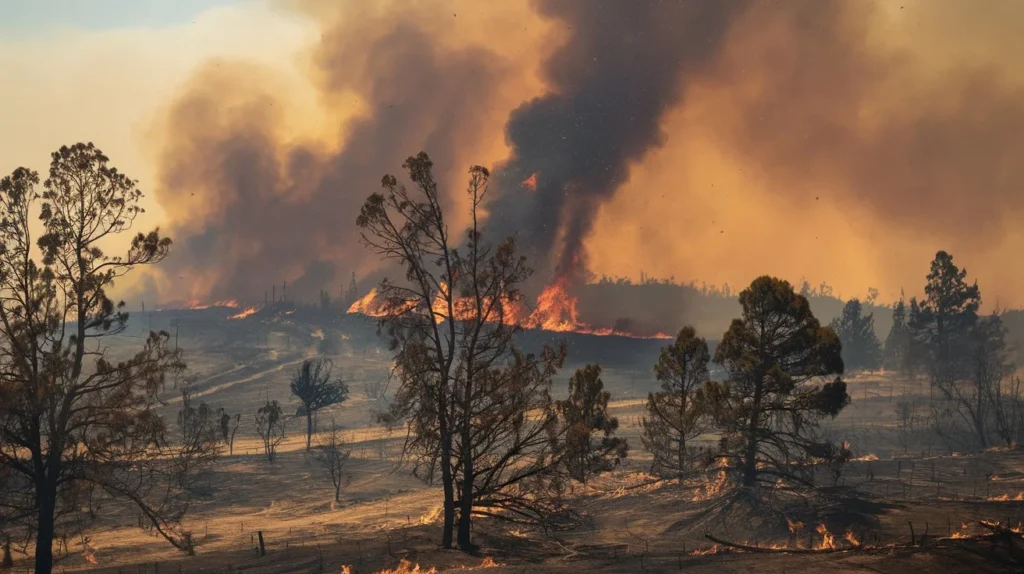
[837, 142]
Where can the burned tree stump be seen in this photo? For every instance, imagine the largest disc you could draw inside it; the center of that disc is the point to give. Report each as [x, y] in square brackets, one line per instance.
[263, 549]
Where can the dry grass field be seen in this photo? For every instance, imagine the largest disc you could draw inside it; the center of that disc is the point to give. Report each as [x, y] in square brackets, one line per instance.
[900, 486]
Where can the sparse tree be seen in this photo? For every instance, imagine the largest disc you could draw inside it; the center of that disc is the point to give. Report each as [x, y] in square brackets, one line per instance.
[590, 447]
[325, 300]
[942, 323]
[897, 355]
[856, 331]
[768, 410]
[955, 348]
[228, 427]
[270, 427]
[199, 446]
[674, 414]
[907, 422]
[71, 416]
[332, 454]
[478, 412]
[315, 388]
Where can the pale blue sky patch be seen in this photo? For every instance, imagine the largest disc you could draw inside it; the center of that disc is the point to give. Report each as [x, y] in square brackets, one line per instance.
[28, 16]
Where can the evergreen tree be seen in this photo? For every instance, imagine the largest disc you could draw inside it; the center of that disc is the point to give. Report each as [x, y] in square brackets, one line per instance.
[589, 445]
[674, 414]
[768, 409]
[897, 355]
[861, 349]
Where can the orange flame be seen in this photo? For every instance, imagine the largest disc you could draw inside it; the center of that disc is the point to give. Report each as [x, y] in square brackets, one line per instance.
[406, 567]
[795, 526]
[244, 313]
[197, 305]
[828, 542]
[530, 183]
[1019, 497]
[556, 310]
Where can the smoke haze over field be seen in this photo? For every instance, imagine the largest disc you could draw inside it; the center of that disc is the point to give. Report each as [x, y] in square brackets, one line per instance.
[842, 141]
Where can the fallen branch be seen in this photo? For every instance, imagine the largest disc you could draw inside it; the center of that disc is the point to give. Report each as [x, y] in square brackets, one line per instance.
[780, 550]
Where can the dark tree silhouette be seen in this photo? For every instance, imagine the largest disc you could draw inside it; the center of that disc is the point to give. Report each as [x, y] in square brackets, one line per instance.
[199, 445]
[313, 385]
[270, 427]
[675, 416]
[478, 411]
[332, 454]
[71, 417]
[767, 410]
[942, 323]
[589, 446]
[228, 427]
[856, 331]
[897, 354]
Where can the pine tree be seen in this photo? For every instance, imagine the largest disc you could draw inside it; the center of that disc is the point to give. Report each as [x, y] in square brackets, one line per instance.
[897, 355]
[861, 349]
[674, 415]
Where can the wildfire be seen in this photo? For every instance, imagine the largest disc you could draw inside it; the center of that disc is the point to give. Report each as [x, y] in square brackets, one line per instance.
[530, 183]
[795, 526]
[712, 488]
[243, 313]
[555, 310]
[851, 538]
[962, 532]
[1019, 497]
[196, 305]
[828, 542]
[707, 551]
[406, 567]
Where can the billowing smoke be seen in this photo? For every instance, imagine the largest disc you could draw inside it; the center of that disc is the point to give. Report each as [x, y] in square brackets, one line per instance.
[251, 206]
[621, 68]
[842, 140]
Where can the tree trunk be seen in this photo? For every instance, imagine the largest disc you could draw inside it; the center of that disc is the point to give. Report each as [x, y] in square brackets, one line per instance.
[46, 496]
[466, 504]
[8, 560]
[309, 427]
[447, 481]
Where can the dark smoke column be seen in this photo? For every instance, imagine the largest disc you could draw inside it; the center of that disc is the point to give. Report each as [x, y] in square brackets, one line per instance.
[625, 63]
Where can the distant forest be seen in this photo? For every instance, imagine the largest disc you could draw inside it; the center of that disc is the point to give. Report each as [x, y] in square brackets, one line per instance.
[653, 305]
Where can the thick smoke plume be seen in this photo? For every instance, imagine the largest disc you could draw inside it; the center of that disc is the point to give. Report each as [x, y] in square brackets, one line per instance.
[623, 65]
[253, 206]
[845, 139]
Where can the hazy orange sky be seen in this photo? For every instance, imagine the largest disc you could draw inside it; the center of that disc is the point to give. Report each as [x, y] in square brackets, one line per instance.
[739, 188]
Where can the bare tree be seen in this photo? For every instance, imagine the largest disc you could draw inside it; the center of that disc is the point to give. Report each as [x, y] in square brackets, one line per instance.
[409, 228]
[675, 416]
[228, 428]
[464, 390]
[313, 385]
[589, 447]
[907, 422]
[332, 454]
[70, 414]
[270, 424]
[768, 410]
[199, 445]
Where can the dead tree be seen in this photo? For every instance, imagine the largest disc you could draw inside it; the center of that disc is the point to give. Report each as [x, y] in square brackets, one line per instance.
[228, 428]
[451, 323]
[199, 444]
[332, 454]
[70, 415]
[270, 424]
